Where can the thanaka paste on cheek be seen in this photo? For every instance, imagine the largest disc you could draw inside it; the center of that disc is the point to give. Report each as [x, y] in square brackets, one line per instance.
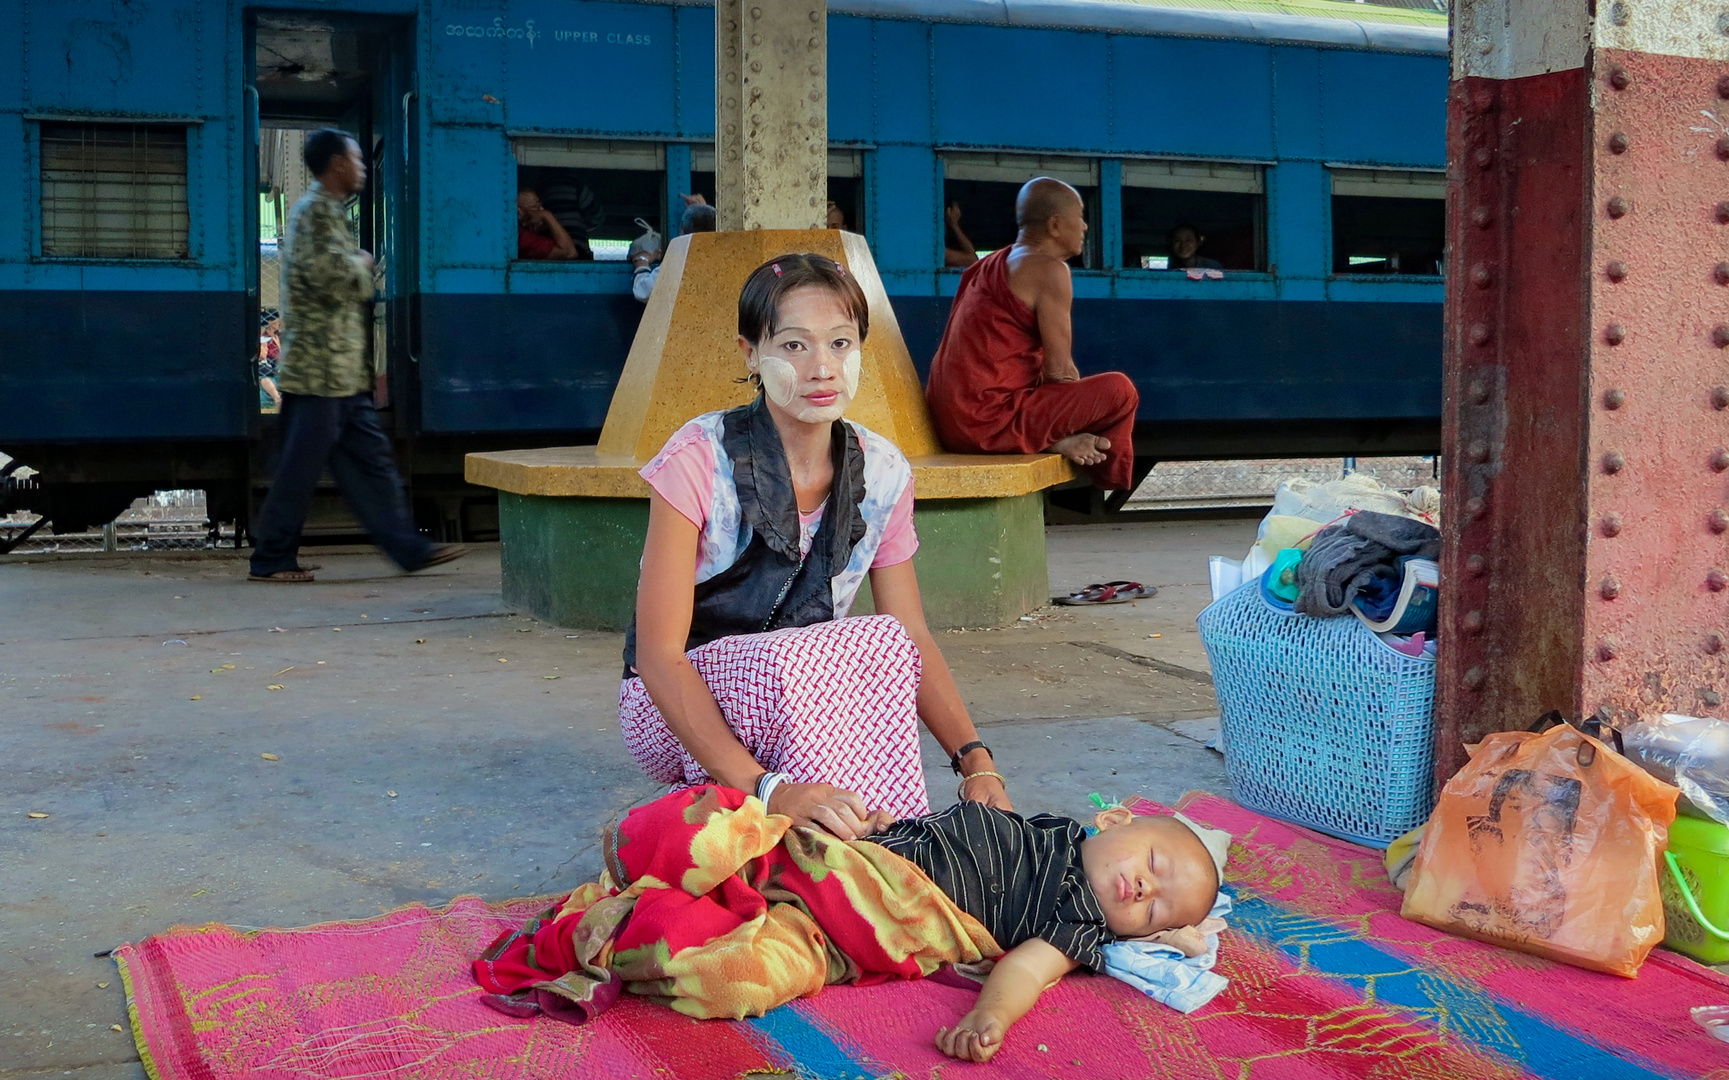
[779, 379]
[850, 372]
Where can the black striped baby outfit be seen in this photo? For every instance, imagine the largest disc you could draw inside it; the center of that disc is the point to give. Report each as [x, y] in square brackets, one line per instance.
[1021, 877]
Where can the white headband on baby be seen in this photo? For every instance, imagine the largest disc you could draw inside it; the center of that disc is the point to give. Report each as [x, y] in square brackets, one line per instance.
[1216, 841]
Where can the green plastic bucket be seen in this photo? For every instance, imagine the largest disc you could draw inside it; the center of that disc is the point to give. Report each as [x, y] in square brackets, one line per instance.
[1696, 890]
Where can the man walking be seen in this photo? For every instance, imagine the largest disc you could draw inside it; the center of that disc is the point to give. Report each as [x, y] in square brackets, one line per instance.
[326, 385]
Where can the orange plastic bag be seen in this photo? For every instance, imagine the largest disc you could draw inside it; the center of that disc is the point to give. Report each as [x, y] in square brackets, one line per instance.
[1547, 843]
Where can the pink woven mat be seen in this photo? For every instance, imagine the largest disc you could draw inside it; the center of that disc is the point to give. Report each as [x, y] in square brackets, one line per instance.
[1326, 981]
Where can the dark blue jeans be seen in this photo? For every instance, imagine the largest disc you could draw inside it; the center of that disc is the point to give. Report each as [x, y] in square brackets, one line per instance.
[343, 433]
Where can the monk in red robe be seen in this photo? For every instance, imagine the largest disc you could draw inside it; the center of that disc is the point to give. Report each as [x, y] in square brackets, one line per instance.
[1004, 379]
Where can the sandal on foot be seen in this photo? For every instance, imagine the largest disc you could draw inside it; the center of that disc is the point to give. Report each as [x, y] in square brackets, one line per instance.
[283, 577]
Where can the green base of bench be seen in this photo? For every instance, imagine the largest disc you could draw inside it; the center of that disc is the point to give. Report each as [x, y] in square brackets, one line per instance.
[574, 561]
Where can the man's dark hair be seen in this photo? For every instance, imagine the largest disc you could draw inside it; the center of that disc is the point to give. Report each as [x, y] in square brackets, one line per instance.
[759, 300]
[322, 145]
[697, 218]
[1171, 237]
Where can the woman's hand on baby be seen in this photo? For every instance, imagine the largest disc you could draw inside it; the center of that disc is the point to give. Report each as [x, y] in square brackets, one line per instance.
[990, 791]
[977, 1037]
[824, 806]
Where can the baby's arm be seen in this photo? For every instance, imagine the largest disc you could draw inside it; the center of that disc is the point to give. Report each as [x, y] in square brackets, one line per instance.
[1014, 986]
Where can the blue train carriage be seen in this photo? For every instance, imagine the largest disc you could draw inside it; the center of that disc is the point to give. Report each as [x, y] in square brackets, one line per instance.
[153, 148]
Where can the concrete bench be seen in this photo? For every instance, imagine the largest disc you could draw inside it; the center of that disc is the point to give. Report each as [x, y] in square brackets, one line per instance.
[572, 523]
[572, 519]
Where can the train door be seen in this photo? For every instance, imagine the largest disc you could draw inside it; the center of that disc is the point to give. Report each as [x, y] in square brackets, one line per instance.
[355, 73]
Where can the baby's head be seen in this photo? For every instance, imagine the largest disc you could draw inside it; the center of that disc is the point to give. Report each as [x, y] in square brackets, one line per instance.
[1149, 873]
[802, 321]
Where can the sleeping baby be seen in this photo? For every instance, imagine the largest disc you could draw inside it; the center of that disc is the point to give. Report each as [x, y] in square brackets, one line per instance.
[723, 910]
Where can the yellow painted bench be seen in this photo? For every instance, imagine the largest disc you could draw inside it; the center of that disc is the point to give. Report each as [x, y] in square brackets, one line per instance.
[572, 519]
[583, 472]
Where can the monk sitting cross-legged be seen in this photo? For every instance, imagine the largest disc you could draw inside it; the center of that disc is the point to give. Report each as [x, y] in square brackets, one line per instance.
[1004, 379]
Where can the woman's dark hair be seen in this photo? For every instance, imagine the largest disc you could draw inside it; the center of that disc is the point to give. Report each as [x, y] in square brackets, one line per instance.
[321, 146]
[759, 300]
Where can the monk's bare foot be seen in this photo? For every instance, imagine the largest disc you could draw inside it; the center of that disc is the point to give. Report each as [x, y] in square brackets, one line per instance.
[1082, 449]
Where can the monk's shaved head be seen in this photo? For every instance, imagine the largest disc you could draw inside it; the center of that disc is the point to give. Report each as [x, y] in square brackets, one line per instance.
[1041, 199]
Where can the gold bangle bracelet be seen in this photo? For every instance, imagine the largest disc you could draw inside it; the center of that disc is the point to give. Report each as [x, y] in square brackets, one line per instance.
[961, 791]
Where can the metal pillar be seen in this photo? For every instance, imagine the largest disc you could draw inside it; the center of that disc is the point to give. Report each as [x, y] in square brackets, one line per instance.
[771, 114]
[1586, 413]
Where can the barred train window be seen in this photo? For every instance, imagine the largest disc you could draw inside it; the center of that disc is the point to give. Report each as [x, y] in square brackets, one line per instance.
[114, 191]
[1388, 221]
[1223, 204]
[845, 181]
[984, 186]
[596, 188]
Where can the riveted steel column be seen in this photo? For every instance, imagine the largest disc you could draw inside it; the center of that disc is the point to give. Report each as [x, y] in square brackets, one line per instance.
[1586, 406]
[771, 114]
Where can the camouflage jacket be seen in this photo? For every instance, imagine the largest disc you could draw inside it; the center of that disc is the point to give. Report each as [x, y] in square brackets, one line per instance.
[324, 324]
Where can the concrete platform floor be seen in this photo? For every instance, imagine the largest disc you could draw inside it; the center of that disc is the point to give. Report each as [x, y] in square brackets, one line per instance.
[428, 743]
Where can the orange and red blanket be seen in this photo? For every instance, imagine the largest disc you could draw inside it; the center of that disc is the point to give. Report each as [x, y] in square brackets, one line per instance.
[723, 910]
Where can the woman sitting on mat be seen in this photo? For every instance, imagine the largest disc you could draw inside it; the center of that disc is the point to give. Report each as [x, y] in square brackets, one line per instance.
[766, 518]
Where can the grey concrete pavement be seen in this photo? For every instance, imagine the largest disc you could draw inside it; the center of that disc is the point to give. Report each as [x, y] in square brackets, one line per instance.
[426, 742]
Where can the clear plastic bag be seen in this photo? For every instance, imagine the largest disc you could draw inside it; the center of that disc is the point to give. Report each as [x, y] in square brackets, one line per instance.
[1327, 500]
[1223, 574]
[1690, 752]
[1714, 1019]
[649, 241]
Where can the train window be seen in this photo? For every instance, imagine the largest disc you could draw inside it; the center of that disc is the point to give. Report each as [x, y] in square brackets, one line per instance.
[596, 189]
[1389, 222]
[1212, 213]
[984, 187]
[846, 187]
[845, 181]
[114, 191]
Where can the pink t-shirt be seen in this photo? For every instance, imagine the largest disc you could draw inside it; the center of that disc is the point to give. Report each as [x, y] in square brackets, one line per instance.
[683, 475]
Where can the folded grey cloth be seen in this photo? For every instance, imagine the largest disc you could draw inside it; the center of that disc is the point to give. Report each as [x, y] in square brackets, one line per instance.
[1402, 535]
[1344, 559]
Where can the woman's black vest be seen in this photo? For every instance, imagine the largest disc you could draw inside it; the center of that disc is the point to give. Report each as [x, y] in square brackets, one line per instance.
[771, 586]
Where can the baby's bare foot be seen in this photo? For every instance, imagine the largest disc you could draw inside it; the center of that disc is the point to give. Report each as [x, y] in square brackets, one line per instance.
[1082, 449]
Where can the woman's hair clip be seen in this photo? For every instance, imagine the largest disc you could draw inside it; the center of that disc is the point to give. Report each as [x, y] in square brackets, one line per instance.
[839, 269]
[776, 268]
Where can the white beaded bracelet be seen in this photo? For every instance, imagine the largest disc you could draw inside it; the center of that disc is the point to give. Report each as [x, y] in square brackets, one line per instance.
[766, 785]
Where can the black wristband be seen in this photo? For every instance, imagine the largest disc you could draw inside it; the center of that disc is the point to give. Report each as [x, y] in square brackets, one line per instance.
[955, 760]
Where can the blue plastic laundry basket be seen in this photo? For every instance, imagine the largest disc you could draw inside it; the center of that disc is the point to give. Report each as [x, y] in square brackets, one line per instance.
[1323, 723]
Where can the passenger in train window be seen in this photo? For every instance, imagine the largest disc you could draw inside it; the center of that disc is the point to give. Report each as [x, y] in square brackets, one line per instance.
[770, 517]
[645, 265]
[1185, 244]
[574, 205]
[958, 249]
[1004, 380]
[836, 216]
[538, 234]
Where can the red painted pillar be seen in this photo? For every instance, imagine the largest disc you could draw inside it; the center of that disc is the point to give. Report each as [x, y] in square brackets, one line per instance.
[1586, 415]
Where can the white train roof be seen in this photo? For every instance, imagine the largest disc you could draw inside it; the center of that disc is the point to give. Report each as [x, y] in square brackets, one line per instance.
[1305, 22]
